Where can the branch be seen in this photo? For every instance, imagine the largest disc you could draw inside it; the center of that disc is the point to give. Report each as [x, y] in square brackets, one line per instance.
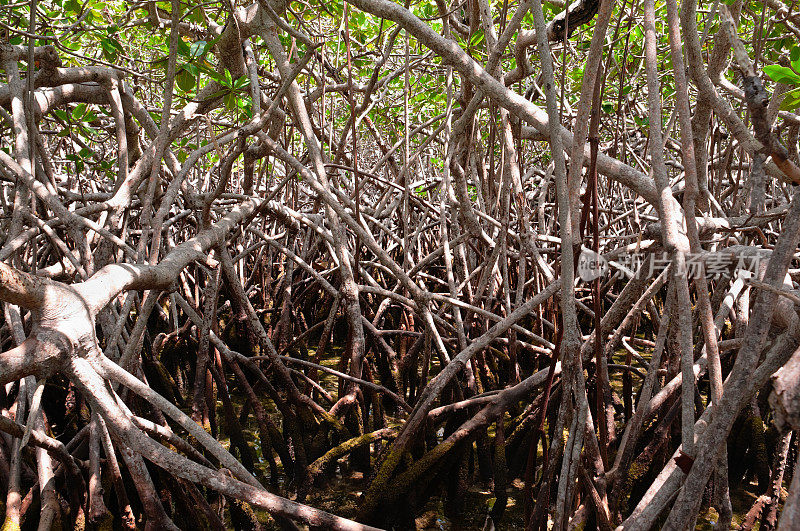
[508, 99]
[757, 101]
[20, 288]
[107, 283]
[94, 389]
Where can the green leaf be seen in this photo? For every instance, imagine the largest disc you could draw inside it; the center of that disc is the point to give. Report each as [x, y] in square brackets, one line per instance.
[197, 49]
[111, 48]
[795, 57]
[230, 101]
[79, 111]
[360, 18]
[791, 101]
[216, 76]
[782, 74]
[477, 38]
[183, 48]
[246, 107]
[241, 82]
[79, 166]
[185, 80]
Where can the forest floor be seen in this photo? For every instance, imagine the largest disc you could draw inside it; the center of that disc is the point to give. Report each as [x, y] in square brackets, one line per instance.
[341, 494]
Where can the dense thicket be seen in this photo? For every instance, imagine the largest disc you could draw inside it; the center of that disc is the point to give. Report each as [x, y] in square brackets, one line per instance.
[512, 264]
